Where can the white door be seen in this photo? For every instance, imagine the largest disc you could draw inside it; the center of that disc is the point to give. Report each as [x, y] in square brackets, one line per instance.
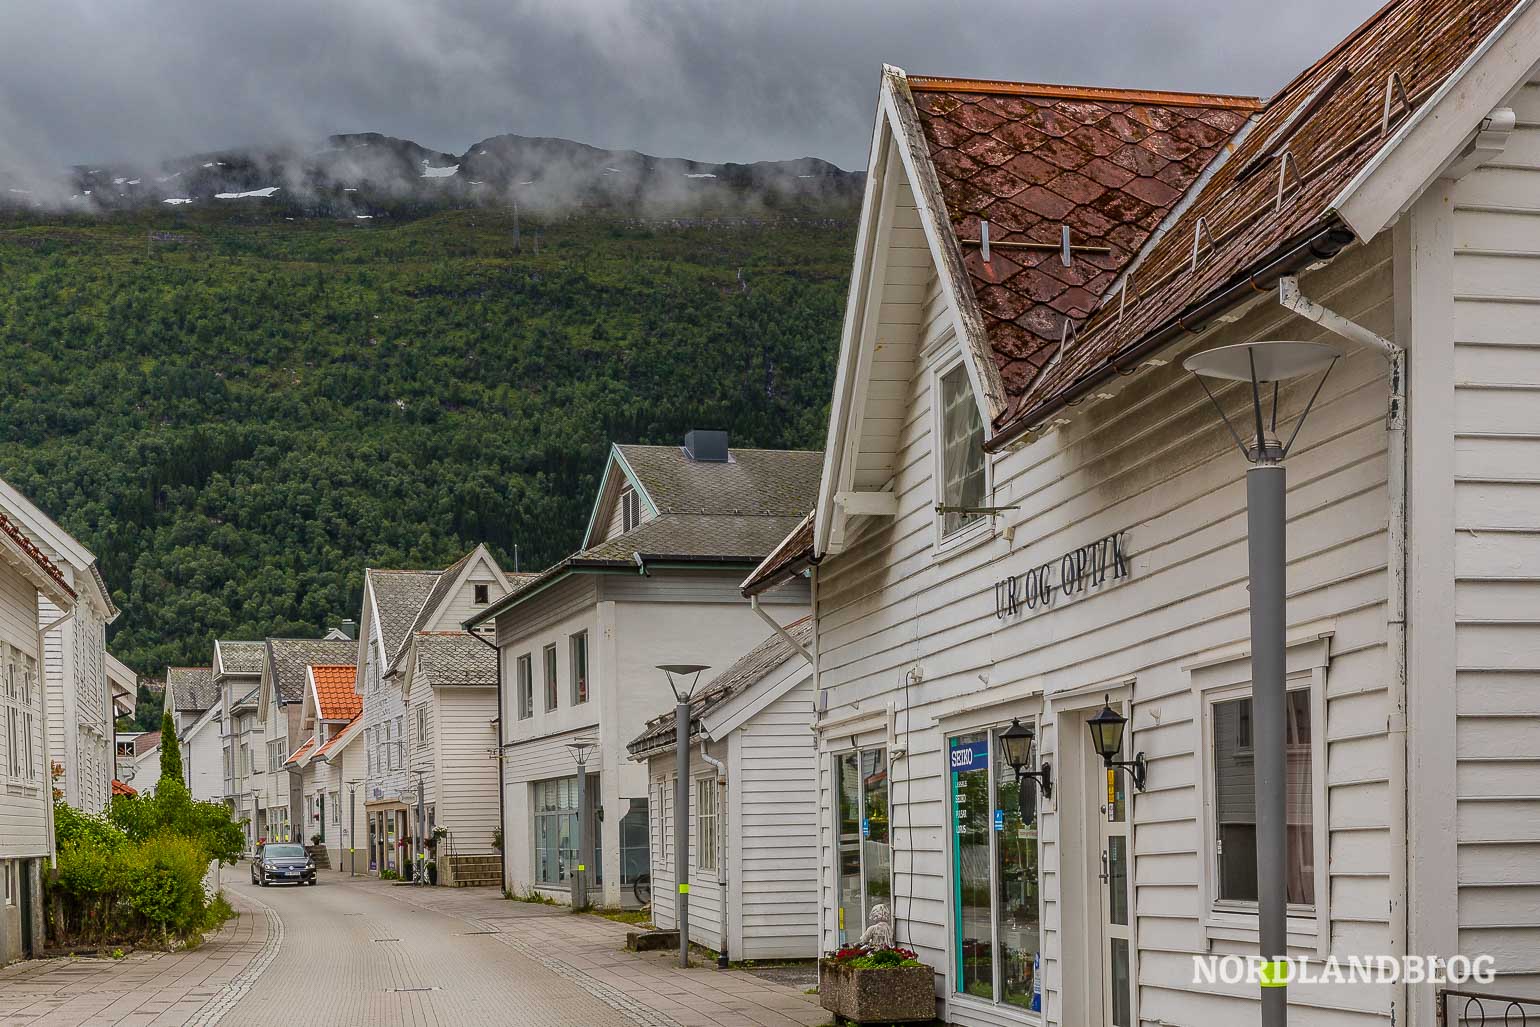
[1112, 845]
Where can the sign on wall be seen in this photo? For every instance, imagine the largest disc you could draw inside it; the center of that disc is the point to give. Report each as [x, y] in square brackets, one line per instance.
[1094, 565]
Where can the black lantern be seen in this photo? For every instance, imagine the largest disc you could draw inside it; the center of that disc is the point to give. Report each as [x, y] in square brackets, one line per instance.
[1107, 738]
[1017, 741]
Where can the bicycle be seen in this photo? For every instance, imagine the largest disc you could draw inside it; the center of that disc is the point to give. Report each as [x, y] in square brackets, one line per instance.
[641, 887]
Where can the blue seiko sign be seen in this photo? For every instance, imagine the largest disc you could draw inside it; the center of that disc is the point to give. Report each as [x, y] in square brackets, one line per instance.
[969, 756]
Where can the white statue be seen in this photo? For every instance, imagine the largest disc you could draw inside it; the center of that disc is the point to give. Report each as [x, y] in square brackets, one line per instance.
[880, 934]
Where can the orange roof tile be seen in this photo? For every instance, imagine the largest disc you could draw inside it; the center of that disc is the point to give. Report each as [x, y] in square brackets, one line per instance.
[119, 788]
[302, 751]
[1031, 159]
[335, 741]
[335, 697]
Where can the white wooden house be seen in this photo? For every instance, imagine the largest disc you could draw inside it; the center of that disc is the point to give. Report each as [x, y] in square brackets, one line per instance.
[655, 583]
[990, 383]
[753, 789]
[237, 674]
[280, 701]
[28, 577]
[331, 709]
[198, 714]
[76, 691]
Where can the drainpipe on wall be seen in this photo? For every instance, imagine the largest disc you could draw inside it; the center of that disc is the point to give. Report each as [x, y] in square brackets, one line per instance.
[1290, 297]
[721, 770]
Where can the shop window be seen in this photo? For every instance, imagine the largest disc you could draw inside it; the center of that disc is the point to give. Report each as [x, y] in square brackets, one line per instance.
[865, 859]
[1235, 807]
[579, 667]
[633, 842]
[706, 824]
[997, 920]
[548, 659]
[526, 682]
[962, 472]
[555, 822]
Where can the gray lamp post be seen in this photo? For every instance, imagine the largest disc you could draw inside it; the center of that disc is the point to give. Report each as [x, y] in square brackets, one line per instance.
[1267, 364]
[353, 825]
[581, 749]
[682, 797]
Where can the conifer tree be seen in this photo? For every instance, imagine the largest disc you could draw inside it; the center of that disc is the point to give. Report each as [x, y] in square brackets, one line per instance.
[170, 750]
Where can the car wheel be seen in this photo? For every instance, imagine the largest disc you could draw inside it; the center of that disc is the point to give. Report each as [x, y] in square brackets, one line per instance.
[262, 880]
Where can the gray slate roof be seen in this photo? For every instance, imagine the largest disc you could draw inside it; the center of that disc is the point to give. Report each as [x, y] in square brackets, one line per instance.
[398, 598]
[239, 657]
[441, 586]
[754, 482]
[695, 536]
[290, 657]
[750, 668]
[455, 658]
[192, 688]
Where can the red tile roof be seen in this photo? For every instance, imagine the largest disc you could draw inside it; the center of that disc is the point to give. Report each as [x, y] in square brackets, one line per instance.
[333, 743]
[119, 788]
[40, 558]
[302, 751]
[334, 692]
[1033, 159]
[1329, 121]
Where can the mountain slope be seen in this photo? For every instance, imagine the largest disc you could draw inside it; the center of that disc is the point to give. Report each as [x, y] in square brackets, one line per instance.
[240, 413]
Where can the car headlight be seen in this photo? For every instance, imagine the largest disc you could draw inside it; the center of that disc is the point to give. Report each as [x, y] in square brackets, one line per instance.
[269, 866]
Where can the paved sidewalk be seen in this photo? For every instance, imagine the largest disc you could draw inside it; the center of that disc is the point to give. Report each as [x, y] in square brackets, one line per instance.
[163, 989]
[591, 951]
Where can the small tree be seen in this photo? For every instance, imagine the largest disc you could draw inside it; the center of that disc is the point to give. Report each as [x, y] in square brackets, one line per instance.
[170, 750]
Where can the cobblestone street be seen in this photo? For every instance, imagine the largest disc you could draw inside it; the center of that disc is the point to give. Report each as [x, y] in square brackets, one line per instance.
[366, 952]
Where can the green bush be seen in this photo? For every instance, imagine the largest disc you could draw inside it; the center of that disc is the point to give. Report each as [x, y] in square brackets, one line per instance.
[161, 882]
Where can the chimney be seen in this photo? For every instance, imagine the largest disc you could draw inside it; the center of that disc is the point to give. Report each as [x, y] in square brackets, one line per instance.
[706, 447]
[349, 628]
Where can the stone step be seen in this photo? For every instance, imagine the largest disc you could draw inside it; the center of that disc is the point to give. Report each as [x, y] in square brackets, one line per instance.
[320, 855]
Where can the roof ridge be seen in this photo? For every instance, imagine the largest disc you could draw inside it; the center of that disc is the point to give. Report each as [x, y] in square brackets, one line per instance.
[1171, 97]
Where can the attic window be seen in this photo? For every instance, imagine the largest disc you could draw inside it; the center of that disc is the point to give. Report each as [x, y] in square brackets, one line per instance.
[962, 452]
[630, 509]
[481, 594]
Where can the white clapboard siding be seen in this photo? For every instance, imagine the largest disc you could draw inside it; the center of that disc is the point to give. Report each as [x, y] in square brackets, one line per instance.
[1497, 554]
[467, 797]
[1158, 464]
[23, 809]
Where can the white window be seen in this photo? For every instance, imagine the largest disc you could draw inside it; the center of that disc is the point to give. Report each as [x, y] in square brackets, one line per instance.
[12, 877]
[578, 667]
[706, 823]
[369, 748]
[961, 467]
[1228, 790]
[526, 680]
[422, 725]
[548, 658]
[334, 804]
[397, 740]
[481, 593]
[247, 759]
[19, 696]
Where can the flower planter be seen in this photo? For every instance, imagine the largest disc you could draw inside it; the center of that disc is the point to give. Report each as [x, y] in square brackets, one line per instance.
[889, 994]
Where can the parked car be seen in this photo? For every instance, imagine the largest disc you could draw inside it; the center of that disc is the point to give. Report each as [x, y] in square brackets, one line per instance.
[279, 862]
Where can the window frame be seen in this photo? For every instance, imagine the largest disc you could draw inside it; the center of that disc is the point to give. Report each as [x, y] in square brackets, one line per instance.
[579, 681]
[982, 526]
[420, 724]
[1307, 666]
[481, 593]
[550, 673]
[707, 833]
[835, 758]
[524, 681]
[630, 508]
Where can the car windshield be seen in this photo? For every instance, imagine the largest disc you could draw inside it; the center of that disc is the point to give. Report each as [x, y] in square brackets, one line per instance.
[283, 851]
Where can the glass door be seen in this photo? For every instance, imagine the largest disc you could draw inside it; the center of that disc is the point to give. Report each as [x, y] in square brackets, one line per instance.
[1114, 859]
[864, 856]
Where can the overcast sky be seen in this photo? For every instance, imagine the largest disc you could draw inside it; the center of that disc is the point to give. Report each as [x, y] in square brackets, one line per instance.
[85, 81]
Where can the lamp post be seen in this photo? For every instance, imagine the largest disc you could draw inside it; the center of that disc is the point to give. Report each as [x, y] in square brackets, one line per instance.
[581, 748]
[1262, 364]
[353, 825]
[682, 797]
[419, 853]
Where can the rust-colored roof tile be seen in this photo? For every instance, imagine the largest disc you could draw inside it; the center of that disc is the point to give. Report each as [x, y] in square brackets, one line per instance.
[1044, 203]
[1152, 190]
[1076, 188]
[334, 692]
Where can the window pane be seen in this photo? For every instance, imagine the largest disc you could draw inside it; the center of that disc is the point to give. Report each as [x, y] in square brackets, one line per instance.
[968, 758]
[580, 668]
[876, 868]
[1235, 800]
[1122, 987]
[962, 455]
[1018, 923]
[1117, 878]
[633, 842]
[847, 787]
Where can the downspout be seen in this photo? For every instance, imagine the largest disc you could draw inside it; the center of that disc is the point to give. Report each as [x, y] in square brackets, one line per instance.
[502, 827]
[721, 770]
[1290, 297]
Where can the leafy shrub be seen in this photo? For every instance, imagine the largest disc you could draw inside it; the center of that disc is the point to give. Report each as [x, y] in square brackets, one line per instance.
[161, 881]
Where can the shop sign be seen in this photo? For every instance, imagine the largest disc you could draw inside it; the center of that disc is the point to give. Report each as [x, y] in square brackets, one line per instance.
[1094, 565]
[970, 756]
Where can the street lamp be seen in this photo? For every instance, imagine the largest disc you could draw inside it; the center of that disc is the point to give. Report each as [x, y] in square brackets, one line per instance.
[1107, 739]
[353, 784]
[1262, 364]
[1017, 743]
[682, 795]
[581, 749]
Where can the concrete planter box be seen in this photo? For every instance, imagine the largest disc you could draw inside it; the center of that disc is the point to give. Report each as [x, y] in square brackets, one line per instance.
[890, 994]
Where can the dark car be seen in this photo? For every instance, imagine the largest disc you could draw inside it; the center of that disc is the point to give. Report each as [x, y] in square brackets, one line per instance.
[279, 862]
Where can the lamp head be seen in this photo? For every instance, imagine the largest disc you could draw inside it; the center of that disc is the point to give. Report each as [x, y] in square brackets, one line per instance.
[581, 749]
[1264, 363]
[692, 670]
[1016, 741]
[1107, 732]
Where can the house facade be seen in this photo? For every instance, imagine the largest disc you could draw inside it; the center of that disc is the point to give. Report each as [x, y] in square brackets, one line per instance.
[279, 794]
[330, 709]
[237, 673]
[580, 644]
[198, 714]
[1030, 513]
[753, 858]
[28, 577]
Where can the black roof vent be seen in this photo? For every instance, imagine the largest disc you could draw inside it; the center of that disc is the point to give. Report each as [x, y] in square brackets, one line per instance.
[706, 447]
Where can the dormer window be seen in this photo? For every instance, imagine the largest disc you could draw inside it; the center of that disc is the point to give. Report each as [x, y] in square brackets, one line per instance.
[962, 452]
[630, 509]
[481, 594]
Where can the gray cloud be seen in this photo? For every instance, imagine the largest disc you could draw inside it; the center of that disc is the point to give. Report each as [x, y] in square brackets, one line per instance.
[719, 80]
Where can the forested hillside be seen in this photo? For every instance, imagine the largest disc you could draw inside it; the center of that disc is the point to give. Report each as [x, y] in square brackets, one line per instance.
[237, 416]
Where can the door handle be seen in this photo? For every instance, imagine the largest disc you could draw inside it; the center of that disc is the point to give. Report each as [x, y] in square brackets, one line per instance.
[1106, 875]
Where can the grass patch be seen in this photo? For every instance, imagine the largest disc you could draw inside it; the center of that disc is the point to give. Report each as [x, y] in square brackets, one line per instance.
[529, 895]
[637, 917]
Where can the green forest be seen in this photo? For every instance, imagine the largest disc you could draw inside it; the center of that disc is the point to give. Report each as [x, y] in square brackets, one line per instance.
[238, 413]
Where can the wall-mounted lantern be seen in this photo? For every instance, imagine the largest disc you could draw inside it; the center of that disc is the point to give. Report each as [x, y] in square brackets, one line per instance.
[1018, 741]
[1107, 738]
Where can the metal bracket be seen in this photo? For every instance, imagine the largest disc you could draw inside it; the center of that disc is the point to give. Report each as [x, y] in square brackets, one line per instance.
[1200, 230]
[1395, 90]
